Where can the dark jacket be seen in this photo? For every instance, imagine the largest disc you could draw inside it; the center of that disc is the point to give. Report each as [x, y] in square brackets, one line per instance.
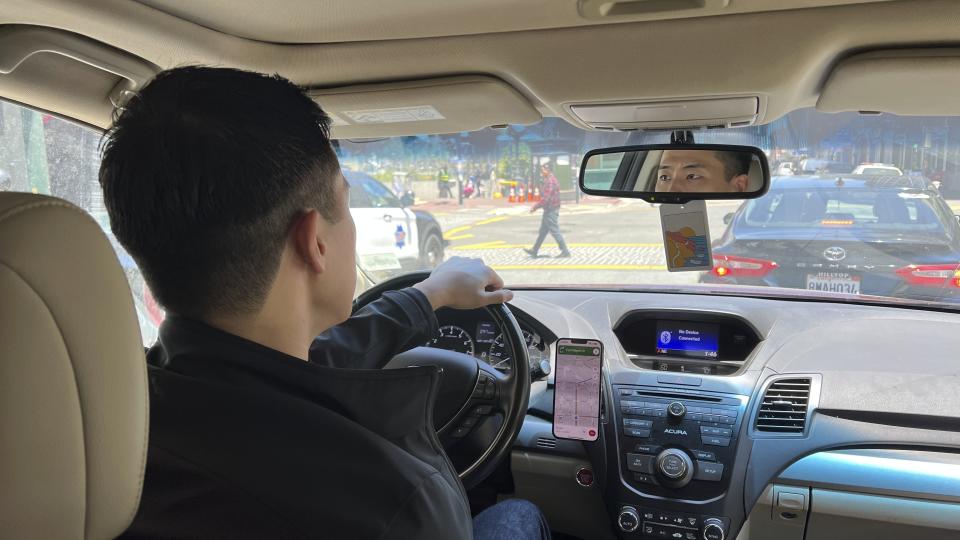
[247, 442]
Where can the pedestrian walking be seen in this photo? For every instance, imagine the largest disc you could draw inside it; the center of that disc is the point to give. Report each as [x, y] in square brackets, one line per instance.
[550, 222]
[443, 184]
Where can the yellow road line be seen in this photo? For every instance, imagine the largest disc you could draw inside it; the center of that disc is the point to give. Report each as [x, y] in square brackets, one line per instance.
[504, 245]
[457, 230]
[458, 237]
[579, 267]
[482, 245]
[492, 220]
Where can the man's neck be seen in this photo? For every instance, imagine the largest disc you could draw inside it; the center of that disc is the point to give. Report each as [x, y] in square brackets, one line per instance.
[290, 336]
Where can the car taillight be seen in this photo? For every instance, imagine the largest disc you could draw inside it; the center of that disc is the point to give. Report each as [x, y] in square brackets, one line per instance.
[733, 266]
[931, 275]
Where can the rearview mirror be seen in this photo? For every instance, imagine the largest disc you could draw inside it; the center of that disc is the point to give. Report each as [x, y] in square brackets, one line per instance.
[672, 173]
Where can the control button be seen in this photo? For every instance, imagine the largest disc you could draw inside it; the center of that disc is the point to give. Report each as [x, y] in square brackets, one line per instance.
[730, 420]
[490, 390]
[692, 521]
[716, 441]
[711, 418]
[648, 529]
[695, 416]
[469, 421]
[676, 410]
[718, 410]
[689, 535]
[648, 515]
[672, 466]
[675, 535]
[641, 463]
[633, 422]
[636, 432]
[460, 432]
[663, 517]
[646, 479]
[628, 520]
[646, 412]
[677, 520]
[711, 472]
[660, 413]
[711, 430]
[646, 449]
[482, 410]
[584, 477]
[625, 392]
[713, 529]
[703, 455]
[730, 412]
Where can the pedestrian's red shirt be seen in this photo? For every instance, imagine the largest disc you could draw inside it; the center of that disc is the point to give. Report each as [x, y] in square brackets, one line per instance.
[550, 194]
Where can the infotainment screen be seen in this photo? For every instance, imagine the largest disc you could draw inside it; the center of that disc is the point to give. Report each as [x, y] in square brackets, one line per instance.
[689, 339]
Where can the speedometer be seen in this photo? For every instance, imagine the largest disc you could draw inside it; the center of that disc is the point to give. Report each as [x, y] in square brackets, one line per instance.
[500, 359]
[453, 338]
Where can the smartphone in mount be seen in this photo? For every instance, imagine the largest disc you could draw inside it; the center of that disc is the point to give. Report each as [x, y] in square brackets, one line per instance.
[576, 396]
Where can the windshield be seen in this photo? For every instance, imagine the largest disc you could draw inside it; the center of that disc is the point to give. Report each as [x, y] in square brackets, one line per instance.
[858, 205]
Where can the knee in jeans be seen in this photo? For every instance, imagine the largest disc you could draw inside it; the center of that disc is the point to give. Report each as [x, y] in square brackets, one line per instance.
[525, 511]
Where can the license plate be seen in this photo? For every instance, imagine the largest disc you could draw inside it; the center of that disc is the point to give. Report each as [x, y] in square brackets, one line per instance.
[838, 282]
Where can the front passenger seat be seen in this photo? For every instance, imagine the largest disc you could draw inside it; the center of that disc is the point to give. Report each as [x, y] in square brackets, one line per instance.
[73, 385]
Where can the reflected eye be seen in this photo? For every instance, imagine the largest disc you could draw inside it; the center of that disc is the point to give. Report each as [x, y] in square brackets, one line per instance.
[663, 178]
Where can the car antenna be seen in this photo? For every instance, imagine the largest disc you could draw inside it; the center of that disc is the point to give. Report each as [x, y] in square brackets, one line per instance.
[681, 136]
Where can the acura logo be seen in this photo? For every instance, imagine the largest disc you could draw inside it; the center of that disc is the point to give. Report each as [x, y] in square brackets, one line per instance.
[835, 253]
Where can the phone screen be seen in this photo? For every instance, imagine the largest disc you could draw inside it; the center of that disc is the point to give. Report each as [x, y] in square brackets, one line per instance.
[576, 398]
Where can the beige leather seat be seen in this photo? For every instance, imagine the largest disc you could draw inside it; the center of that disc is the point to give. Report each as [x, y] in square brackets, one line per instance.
[73, 387]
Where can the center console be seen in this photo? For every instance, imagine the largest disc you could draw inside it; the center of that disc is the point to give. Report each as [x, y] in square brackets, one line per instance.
[675, 444]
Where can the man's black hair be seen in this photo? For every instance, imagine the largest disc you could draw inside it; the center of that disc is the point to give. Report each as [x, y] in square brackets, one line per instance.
[734, 163]
[203, 173]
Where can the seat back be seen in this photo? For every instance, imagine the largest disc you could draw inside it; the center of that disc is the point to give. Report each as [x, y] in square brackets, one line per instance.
[73, 386]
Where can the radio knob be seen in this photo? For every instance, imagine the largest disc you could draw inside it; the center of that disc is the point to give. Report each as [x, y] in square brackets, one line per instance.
[675, 466]
[713, 529]
[628, 520]
[676, 410]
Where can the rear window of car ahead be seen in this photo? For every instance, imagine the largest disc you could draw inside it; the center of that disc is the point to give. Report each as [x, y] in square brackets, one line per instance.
[882, 210]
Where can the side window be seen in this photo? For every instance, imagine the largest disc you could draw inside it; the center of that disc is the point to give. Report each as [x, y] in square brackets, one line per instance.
[358, 196]
[380, 196]
[40, 153]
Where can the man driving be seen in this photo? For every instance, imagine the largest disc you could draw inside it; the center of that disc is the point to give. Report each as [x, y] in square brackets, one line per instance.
[224, 187]
[703, 171]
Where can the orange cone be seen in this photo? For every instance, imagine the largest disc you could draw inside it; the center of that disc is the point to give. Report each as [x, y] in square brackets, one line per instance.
[520, 198]
[513, 195]
[536, 194]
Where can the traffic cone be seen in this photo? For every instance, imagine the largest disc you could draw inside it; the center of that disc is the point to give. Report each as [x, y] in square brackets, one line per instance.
[513, 195]
[520, 198]
[536, 194]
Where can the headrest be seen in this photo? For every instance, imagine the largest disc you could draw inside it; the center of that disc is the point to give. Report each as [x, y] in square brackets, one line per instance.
[73, 387]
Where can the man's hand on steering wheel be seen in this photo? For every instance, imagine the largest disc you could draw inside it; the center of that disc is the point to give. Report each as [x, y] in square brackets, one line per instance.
[464, 283]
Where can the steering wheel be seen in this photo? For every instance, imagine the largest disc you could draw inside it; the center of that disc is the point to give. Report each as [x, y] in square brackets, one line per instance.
[470, 390]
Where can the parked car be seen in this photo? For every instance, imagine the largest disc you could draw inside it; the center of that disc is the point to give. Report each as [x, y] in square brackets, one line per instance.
[895, 237]
[878, 169]
[390, 235]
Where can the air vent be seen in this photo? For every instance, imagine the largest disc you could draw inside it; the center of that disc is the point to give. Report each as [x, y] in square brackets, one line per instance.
[784, 406]
[546, 442]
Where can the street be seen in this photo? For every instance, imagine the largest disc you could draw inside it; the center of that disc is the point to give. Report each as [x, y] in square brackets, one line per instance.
[612, 241]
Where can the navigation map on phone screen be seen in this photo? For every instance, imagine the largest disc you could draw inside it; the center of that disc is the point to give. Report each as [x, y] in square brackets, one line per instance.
[576, 400]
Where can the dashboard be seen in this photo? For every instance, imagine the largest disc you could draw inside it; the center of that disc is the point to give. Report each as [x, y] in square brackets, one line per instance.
[473, 332]
[716, 409]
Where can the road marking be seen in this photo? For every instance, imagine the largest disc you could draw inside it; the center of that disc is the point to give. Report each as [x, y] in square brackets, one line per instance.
[458, 237]
[501, 244]
[643, 267]
[492, 220]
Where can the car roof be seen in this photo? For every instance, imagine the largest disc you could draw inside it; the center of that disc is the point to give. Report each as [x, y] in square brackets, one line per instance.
[850, 181]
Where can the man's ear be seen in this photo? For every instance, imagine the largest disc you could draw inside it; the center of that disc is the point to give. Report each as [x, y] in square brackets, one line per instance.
[306, 235]
[740, 182]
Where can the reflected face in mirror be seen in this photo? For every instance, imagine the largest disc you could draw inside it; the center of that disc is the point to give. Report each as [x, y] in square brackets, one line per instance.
[703, 171]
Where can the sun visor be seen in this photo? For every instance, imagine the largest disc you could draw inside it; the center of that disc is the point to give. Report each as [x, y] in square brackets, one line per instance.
[686, 113]
[906, 82]
[38, 65]
[431, 106]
